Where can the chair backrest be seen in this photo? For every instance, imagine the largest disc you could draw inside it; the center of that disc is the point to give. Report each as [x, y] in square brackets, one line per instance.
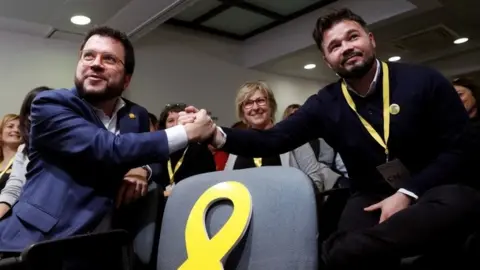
[144, 223]
[142, 219]
[283, 229]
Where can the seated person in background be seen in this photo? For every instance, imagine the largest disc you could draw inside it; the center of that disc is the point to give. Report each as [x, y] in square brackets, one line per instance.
[9, 141]
[10, 193]
[191, 160]
[326, 155]
[256, 107]
[85, 144]
[399, 129]
[220, 156]
[153, 122]
[469, 94]
[239, 125]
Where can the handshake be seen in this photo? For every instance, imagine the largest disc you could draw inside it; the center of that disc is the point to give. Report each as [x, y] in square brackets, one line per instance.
[198, 124]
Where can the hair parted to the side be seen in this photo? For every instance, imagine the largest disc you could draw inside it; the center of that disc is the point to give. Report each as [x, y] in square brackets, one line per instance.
[247, 90]
[106, 31]
[326, 22]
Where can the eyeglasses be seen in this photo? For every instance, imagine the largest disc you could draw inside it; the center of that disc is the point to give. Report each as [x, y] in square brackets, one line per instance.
[259, 101]
[175, 105]
[89, 56]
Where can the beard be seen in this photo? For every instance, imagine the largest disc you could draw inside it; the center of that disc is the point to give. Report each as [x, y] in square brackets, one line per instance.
[111, 91]
[357, 71]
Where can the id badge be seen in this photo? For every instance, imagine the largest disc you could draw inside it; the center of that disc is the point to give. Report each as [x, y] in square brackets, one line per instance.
[394, 172]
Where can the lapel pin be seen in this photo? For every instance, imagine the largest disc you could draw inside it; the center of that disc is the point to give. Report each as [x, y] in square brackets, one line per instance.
[132, 116]
[394, 109]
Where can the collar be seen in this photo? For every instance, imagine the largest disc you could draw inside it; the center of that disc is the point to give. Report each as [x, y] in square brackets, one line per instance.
[119, 104]
[373, 84]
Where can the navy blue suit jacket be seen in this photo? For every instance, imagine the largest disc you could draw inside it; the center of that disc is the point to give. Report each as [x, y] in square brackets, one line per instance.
[76, 167]
[424, 136]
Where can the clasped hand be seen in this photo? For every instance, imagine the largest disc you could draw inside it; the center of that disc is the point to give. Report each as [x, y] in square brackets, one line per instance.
[198, 125]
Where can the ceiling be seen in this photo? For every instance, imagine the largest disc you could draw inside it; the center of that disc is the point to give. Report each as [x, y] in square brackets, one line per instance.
[242, 19]
[51, 18]
[422, 38]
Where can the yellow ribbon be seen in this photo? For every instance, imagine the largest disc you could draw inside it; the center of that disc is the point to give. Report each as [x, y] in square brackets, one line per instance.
[171, 172]
[6, 168]
[258, 162]
[386, 111]
[205, 253]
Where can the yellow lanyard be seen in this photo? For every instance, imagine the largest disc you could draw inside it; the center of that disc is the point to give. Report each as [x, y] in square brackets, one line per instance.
[258, 162]
[386, 111]
[171, 172]
[6, 168]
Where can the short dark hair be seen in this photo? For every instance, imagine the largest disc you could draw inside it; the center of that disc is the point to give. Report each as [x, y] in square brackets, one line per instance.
[106, 31]
[470, 85]
[25, 115]
[153, 119]
[328, 21]
[176, 107]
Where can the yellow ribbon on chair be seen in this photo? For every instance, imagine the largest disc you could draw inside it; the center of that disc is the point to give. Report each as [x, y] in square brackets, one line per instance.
[206, 253]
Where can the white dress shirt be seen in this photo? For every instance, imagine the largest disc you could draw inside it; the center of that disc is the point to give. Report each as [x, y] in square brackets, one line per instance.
[110, 124]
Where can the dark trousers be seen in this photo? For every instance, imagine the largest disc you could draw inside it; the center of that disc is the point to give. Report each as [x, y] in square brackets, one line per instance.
[438, 223]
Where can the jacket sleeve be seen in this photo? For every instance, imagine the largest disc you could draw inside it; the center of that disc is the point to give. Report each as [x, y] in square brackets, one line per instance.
[304, 125]
[58, 127]
[308, 163]
[450, 121]
[17, 179]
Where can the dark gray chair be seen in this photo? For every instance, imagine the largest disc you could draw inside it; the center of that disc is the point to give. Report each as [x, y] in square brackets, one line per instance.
[110, 250]
[283, 230]
[143, 219]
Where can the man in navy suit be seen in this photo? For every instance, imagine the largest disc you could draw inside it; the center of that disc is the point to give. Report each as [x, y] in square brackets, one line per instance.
[86, 148]
[398, 128]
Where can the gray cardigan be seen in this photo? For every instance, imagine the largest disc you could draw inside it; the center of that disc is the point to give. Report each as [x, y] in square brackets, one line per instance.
[17, 179]
[304, 159]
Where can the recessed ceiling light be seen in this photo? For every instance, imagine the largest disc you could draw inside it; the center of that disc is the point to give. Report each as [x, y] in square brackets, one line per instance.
[460, 40]
[80, 20]
[310, 66]
[394, 58]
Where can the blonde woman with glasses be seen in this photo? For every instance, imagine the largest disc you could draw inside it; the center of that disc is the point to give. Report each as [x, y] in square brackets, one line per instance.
[256, 107]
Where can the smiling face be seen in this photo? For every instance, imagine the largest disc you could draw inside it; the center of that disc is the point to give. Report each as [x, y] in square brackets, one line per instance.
[348, 49]
[100, 74]
[11, 132]
[256, 110]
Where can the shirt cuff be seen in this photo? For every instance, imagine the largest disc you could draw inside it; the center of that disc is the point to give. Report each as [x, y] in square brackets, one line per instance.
[177, 138]
[8, 200]
[219, 138]
[408, 193]
[149, 171]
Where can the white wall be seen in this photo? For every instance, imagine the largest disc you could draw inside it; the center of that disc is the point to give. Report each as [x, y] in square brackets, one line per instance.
[201, 72]
[27, 62]
[171, 67]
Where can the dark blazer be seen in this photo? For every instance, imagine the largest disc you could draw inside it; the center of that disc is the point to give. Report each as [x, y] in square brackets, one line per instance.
[76, 167]
[423, 135]
[198, 159]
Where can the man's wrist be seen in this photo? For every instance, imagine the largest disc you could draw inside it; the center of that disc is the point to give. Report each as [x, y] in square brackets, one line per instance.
[408, 193]
[219, 138]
